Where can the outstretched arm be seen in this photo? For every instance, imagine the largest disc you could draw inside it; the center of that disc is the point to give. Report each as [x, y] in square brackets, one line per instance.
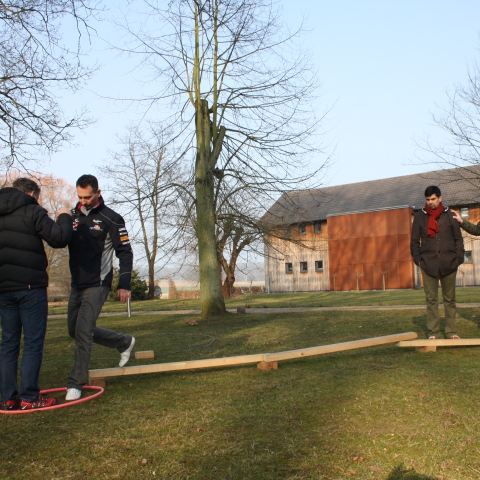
[466, 225]
[57, 234]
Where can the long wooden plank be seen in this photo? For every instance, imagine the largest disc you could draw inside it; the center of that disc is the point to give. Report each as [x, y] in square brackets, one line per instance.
[169, 367]
[339, 347]
[462, 342]
[244, 359]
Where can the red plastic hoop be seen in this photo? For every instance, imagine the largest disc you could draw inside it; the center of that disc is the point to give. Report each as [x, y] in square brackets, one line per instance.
[100, 390]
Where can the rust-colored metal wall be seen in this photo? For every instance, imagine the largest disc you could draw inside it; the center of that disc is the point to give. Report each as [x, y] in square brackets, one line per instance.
[370, 247]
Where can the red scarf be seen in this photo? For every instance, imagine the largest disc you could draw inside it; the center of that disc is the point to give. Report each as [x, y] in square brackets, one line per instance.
[433, 229]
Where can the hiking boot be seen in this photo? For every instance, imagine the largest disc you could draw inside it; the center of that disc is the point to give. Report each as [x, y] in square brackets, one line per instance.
[125, 356]
[9, 405]
[39, 402]
[73, 394]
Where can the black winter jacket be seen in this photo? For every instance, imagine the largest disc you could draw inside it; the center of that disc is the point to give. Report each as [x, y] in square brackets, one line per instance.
[443, 254]
[96, 234]
[23, 225]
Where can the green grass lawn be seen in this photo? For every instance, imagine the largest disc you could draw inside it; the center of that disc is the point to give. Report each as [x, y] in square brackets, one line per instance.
[313, 299]
[383, 413]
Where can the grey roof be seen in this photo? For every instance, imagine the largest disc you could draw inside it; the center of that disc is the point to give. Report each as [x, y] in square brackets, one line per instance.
[459, 186]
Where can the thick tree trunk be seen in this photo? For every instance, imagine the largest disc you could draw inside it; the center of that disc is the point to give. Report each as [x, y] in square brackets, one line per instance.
[210, 283]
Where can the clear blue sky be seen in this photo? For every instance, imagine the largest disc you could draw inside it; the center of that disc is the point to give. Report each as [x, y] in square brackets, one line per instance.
[384, 66]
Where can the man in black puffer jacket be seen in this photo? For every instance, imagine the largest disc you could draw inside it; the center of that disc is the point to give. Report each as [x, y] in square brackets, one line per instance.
[24, 224]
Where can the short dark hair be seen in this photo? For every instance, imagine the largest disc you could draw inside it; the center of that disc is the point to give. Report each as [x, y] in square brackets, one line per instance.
[26, 185]
[432, 190]
[87, 181]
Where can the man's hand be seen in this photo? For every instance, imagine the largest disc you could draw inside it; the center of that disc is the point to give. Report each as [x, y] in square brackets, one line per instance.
[457, 216]
[123, 295]
[63, 210]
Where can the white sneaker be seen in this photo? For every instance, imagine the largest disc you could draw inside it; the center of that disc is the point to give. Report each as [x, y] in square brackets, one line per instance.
[125, 356]
[73, 394]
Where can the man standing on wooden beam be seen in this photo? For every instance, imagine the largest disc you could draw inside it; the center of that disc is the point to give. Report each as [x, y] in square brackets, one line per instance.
[98, 231]
[437, 248]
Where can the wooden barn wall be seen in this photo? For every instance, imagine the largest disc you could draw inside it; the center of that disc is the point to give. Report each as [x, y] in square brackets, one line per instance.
[370, 247]
[281, 252]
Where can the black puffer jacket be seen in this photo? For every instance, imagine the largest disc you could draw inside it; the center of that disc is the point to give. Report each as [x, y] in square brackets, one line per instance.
[23, 225]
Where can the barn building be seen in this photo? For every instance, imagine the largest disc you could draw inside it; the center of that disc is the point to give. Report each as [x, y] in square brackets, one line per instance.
[357, 236]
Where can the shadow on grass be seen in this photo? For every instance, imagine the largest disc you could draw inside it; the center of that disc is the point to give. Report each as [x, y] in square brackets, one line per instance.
[402, 473]
[472, 315]
[420, 322]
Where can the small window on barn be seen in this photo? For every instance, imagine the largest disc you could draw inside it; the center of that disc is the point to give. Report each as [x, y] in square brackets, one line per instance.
[464, 212]
[319, 266]
[303, 267]
[468, 256]
[317, 227]
[302, 229]
[289, 268]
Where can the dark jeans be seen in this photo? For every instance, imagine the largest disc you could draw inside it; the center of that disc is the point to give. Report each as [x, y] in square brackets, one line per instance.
[23, 310]
[84, 306]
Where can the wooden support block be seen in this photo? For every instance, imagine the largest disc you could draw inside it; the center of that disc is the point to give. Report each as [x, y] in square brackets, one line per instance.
[99, 382]
[426, 349]
[267, 365]
[144, 354]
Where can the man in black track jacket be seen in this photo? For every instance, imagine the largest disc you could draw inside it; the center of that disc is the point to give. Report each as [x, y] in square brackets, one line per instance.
[24, 224]
[98, 231]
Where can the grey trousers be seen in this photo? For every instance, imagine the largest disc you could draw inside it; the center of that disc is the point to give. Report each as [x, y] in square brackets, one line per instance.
[430, 285]
[84, 306]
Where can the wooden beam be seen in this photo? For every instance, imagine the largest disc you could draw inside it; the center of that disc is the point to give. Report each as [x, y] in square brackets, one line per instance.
[461, 342]
[338, 347]
[173, 366]
[144, 354]
[425, 345]
[244, 359]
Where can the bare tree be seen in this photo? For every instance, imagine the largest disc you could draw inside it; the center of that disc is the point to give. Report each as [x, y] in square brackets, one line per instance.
[243, 95]
[34, 63]
[461, 122]
[233, 238]
[242, 229]
[145, 176]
